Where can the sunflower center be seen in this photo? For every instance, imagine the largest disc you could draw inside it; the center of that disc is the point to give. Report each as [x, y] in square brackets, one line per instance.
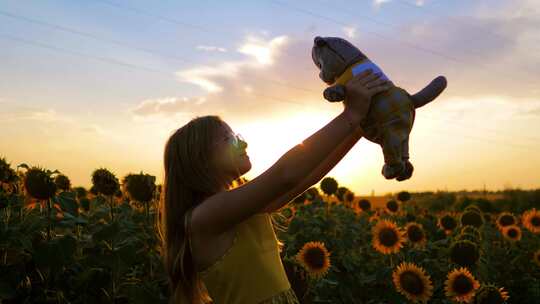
[462, 285]
[411, 283]
[472, 219]
[492, 296]
[535, 221]
[388, 237]
[464, 253]
[364, 205]
[415, 233]
[506, 220]
[448, 223]
[314, 257]
[392, 206]
[512, 233]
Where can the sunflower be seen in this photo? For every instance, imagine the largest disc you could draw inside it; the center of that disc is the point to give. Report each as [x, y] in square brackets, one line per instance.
[512, 233]
[315, 258]
[387, 237]
[447, 222]
[412, 282]
[464, 253]
[473, 208]
[364, 204]
[472, 231]
[415, 233]
[505, 219]
[472, 218]
[374, 218]
[392, 206]
[531, 220]
[460, 285]
[468, 236]
[536, 257]
[39, 184]
[490, 294]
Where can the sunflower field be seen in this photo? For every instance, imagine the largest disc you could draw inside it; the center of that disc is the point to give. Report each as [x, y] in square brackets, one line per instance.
[64, 244]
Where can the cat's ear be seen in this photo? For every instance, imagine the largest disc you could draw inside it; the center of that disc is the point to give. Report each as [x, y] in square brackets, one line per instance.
[319, 41]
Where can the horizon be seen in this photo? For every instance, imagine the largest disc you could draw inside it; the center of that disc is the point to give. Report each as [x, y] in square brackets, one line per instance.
[103, 84]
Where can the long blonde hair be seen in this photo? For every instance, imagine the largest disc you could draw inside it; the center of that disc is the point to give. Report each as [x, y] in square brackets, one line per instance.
[189, 178]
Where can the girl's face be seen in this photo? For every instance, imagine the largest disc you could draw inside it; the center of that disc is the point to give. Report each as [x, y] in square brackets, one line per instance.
[229, 153]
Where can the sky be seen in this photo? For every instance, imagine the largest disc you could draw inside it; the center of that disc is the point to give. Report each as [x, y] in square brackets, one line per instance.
[103, 84]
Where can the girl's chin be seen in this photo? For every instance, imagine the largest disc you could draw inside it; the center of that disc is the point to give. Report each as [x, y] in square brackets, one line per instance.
[245, 166]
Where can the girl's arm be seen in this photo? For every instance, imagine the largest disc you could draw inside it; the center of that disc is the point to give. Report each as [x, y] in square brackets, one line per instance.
[318, 173]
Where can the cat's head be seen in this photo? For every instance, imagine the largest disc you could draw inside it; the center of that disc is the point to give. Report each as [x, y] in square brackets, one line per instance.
[333, 55]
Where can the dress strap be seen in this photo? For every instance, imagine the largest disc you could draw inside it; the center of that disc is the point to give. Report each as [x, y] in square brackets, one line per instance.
[187, 228]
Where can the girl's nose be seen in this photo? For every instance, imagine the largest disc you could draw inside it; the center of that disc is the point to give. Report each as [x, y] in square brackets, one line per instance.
[243, 144]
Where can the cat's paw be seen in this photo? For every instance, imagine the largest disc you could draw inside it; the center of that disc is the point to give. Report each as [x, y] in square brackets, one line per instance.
[390, 171]
[334, 93]
[407, 172]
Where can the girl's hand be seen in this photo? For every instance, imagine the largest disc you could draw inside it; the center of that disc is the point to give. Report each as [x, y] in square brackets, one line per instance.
[359, 91]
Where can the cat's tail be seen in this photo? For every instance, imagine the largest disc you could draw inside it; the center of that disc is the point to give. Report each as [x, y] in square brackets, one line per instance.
[430, 92]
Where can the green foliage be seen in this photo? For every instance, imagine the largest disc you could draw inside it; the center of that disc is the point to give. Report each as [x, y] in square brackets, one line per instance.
[73, 250]
[7, 175]
[81, 256]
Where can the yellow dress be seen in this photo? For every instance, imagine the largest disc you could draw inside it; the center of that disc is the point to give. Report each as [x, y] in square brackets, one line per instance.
[251, 271]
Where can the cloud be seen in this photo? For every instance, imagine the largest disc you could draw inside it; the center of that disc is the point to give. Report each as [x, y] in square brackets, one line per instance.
[15, 112]
[263, 51]
[378, 3]
[169, 106]
[277, 74]
[350, 31]
[262, 80]
[260, 53]
[48, 122]
[534, 112]
[211, 48]
[93, 129]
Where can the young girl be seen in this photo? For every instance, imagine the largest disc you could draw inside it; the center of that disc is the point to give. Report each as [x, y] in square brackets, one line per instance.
[218, 243]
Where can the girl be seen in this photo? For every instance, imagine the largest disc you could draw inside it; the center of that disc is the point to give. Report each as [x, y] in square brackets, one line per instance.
[218, 243]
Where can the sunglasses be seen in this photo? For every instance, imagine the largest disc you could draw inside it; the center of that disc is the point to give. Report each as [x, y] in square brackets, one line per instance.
[235, 140]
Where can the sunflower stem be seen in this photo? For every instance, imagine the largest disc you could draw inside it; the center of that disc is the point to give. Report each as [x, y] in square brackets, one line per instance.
[113, 270]
[111, 206]
[147, 210]
[48, 219]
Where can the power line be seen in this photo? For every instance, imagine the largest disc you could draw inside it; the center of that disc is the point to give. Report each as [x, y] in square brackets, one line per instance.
[172, 20]
[124, 44]
[424, 8]
[99, 58]
[356, 14]
[139, 11]
[384, 37]
[469, 126]
[117, 62]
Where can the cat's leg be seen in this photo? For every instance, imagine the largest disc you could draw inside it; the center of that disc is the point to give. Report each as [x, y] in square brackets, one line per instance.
[335, 93]
[407, 172]
[391, 146]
